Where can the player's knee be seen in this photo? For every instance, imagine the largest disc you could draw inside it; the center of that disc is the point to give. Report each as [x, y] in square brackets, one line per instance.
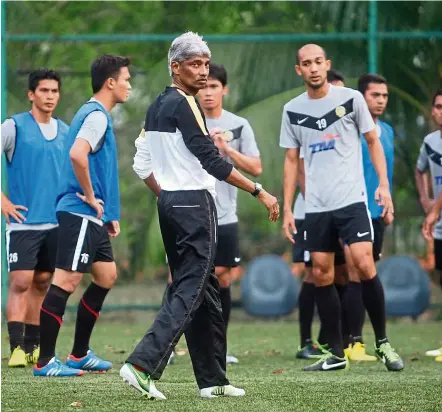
[20, 284]
[365, 265]
[111, 279]
[42, 281]
[322, 276]
[108, 280]
[67, 281]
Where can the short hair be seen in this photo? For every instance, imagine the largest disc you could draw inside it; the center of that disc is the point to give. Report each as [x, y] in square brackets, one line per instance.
[322, 48]
[185, 47]
[334, 75]
[105, 67]
[438, 93]
[218, 72]
[42, 74]
[367, 78]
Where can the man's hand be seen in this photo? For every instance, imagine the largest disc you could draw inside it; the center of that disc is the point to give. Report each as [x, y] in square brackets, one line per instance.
[222, 146]
[288, 225]
[11, 210]
[383, 198]
[388, 219]
[217, 136]
[271, 203]
[96, 204]
[113, 228]
[427, 204]
[430, 221]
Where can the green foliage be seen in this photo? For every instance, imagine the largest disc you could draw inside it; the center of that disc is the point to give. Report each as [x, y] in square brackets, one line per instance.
[261, 81]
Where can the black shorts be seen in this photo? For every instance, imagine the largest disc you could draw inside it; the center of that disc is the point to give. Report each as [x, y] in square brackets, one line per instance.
[31, 249]
[81, 243]
[438, 253]
[227, 248]
[378, 235]
[300, 252]
[351, 223]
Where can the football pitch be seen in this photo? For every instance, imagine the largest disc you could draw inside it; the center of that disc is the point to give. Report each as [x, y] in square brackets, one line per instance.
[268, 371]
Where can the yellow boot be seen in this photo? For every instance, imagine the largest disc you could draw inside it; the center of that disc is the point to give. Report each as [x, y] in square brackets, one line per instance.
[18, 358]
[438, 358]
[32, 357]
[357, 353]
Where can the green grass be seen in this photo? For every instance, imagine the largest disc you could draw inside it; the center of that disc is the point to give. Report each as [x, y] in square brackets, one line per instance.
[268, 371]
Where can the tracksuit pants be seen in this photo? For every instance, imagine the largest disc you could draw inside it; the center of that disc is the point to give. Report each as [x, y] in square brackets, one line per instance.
[191, 305]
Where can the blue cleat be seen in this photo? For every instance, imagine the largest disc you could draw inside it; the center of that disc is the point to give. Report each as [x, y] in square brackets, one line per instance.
[56, 369]
[90, 363]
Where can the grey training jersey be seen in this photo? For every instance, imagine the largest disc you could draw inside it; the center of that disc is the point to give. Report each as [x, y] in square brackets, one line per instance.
[430, 158]
[244, 142]
[328, 130]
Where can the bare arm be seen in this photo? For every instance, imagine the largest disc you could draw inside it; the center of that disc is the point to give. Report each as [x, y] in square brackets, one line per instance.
[79, 158]
[152, 184]
[301, 176]
[247, 158]
[249, 164]
[241, 182]
[80, 163]
[432, 218]
[377, 157]
[290, 177]
[438, 205]
[422, 185]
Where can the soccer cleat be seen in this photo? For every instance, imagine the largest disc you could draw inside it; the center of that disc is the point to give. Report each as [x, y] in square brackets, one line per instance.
[56, 369]
[18, 358]
[226, 390]
[140, 381]
[32, 357]
[230, 359]
[356, 352]
[309, 351]
[438, 358]
[388, 355]
[90, 362]
[328, 362]
[171, 358]
[434, 353]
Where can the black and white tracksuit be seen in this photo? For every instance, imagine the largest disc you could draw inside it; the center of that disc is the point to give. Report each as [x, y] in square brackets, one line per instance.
[176, 147]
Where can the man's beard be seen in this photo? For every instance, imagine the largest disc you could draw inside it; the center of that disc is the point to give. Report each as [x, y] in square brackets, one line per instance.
[316, 86]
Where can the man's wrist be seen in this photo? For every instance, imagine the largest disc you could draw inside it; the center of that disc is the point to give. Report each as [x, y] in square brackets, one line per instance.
[89, 196]
[258, 189]
[229, 150]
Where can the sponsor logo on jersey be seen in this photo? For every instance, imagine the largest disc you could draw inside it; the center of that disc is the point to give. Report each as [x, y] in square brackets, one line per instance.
[327, 143]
